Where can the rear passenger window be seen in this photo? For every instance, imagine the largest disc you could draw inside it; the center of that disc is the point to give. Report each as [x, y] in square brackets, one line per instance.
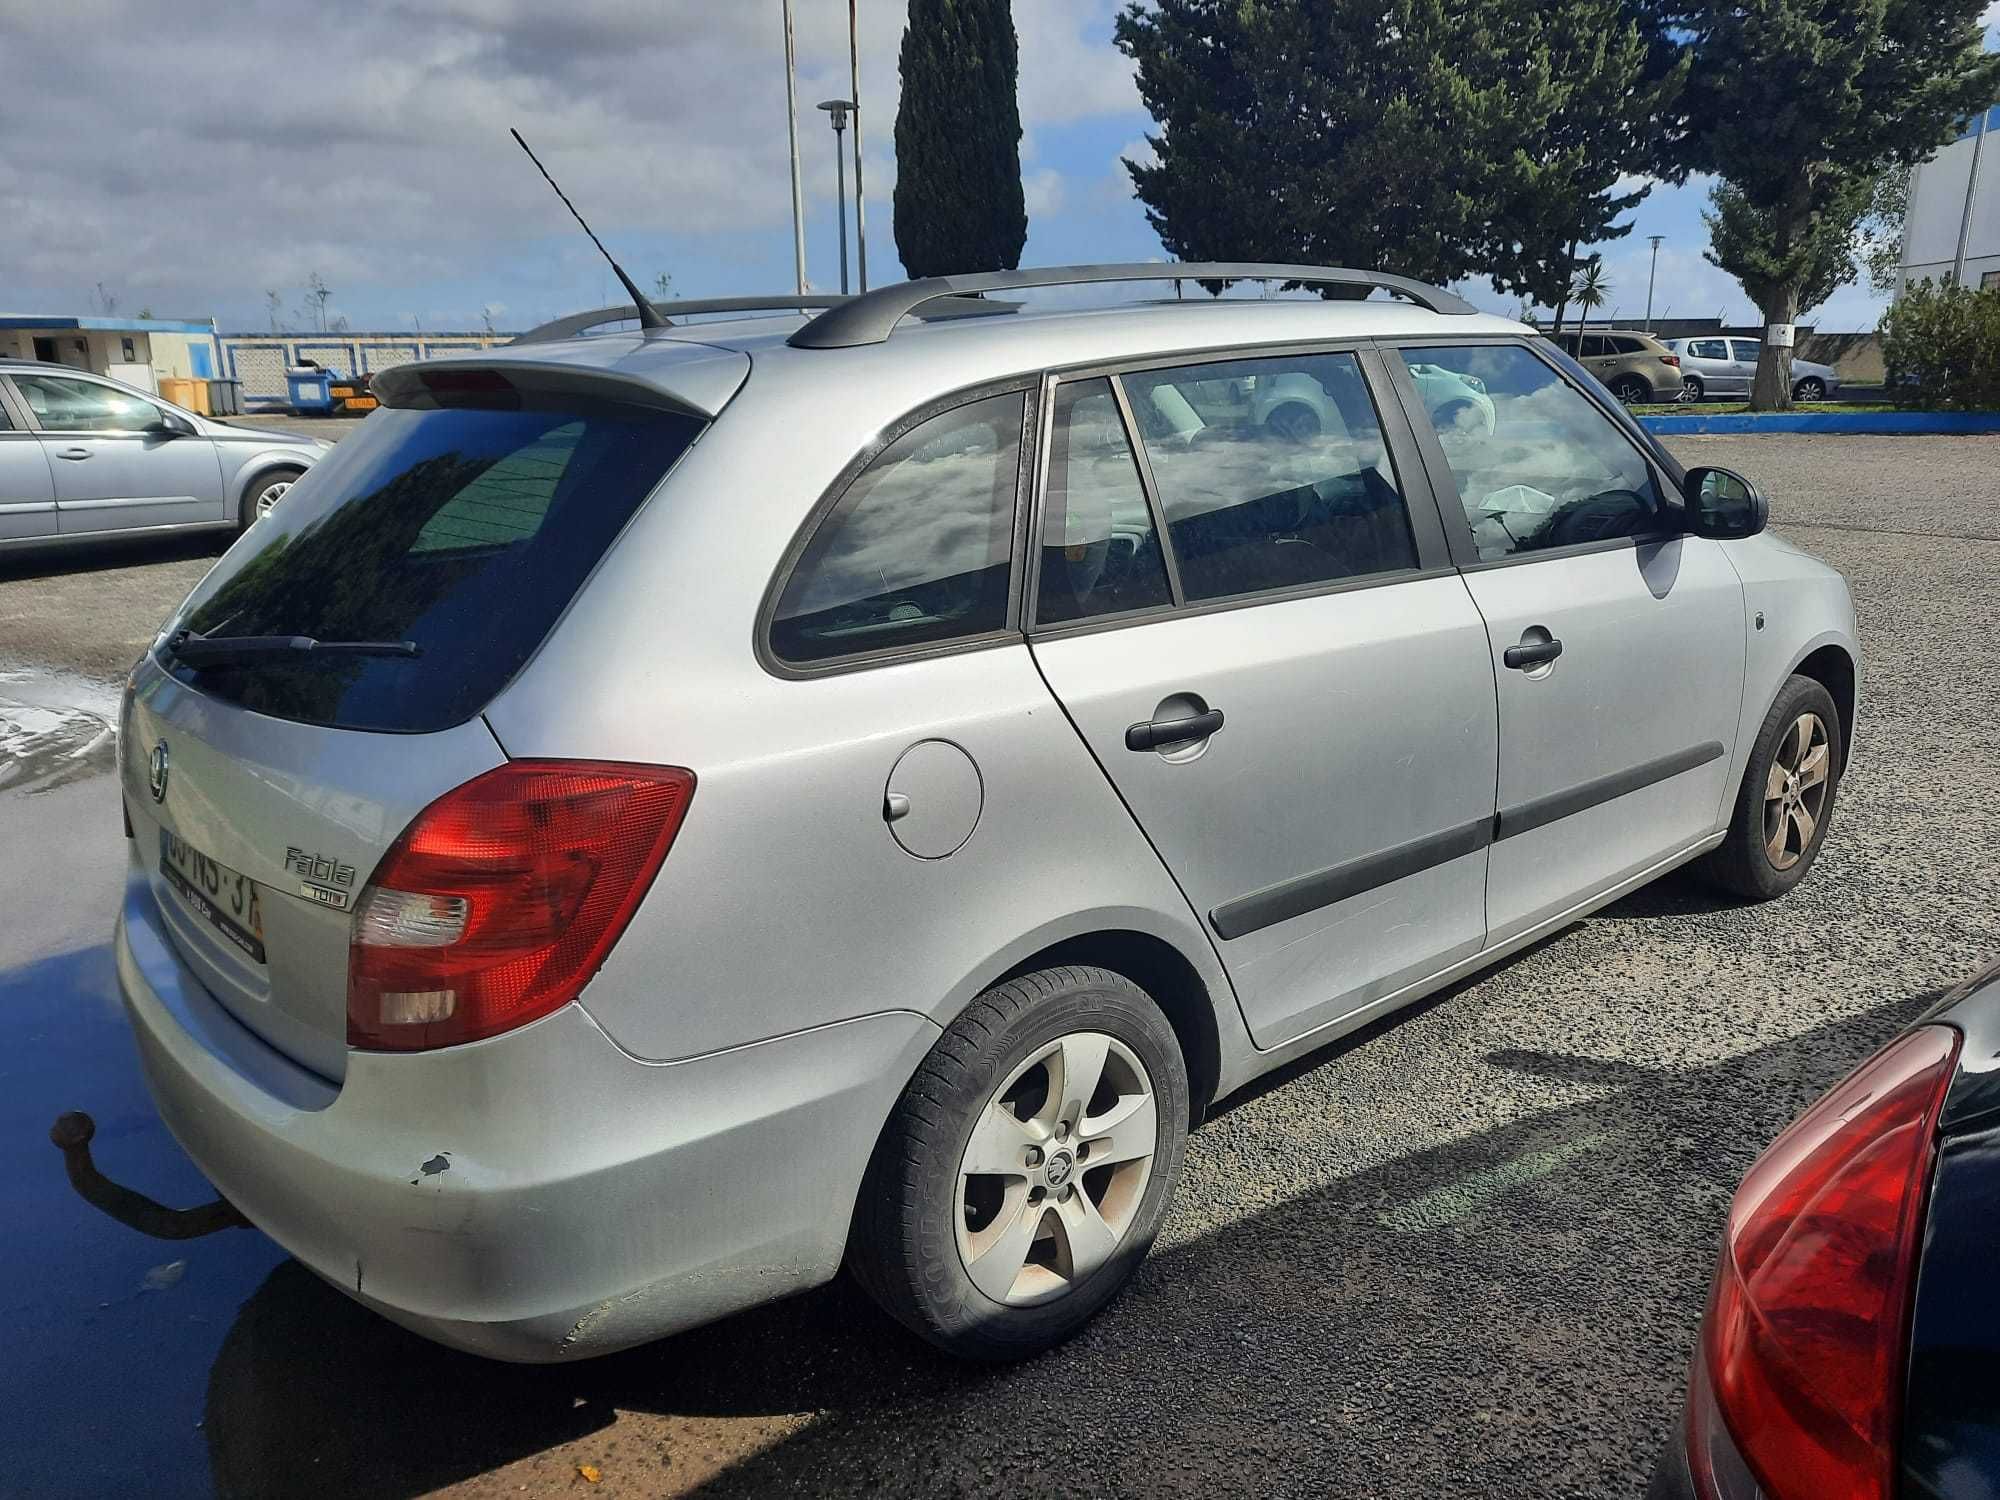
[1537, 465]
[917, 550]
[1100, 550]
[1272, 473]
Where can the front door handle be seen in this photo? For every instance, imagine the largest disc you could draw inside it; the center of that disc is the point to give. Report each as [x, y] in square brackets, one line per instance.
[1156, 732]
[73, 453]
[1531, 654]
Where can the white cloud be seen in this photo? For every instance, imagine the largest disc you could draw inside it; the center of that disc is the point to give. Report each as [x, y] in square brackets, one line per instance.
[388, 164]
[1044, 192]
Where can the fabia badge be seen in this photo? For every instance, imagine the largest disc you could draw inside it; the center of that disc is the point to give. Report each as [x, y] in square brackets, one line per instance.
[327, 881]
[156, 772]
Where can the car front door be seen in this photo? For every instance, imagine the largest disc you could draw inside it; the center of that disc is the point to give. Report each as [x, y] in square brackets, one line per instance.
[1617, 638]
[1291, 695]
[27, 490]
[1709, 362]
[114, 467]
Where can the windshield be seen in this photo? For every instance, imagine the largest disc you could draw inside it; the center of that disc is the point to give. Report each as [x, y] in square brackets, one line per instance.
[465, 532]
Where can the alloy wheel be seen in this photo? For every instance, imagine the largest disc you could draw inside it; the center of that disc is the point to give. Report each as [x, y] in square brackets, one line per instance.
[270, 495]
[1795, 791]
[1056, 1168]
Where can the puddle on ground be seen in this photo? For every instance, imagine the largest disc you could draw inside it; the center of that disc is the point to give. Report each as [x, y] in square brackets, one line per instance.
[55, 728]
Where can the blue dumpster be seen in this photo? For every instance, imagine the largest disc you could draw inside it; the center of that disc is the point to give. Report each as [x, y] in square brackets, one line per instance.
[309, 392]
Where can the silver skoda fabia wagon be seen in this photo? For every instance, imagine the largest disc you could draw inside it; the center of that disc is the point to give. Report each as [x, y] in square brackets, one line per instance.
[655, 816]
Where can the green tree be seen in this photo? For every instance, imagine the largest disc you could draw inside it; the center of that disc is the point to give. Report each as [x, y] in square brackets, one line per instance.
[1590, 289]
[1438, 140]
[1742, 242]
[1795, 102]
[959, 204]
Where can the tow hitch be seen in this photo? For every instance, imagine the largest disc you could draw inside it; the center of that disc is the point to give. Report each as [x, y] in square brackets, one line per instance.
[71, 1134]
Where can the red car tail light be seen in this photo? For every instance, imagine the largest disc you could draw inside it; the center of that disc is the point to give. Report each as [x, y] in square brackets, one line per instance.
[1671, 359]
[1809, 1319]
[502, 899]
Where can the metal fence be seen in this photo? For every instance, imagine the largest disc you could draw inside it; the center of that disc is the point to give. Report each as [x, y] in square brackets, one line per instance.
[259, 361]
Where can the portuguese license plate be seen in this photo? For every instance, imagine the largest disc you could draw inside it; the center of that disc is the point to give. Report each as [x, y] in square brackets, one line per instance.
[227, 901]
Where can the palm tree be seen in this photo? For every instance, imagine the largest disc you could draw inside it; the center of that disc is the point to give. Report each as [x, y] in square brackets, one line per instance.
[1589, 291]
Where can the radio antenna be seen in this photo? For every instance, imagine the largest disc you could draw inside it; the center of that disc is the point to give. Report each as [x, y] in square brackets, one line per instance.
[649, 316]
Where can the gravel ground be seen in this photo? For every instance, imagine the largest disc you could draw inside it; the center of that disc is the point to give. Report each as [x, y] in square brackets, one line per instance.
[1464, 1253]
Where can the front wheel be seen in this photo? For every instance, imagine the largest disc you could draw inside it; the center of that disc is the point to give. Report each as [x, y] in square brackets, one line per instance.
[1812, 388]
[1692, 389]
[1027, 1167]
[265, 491]
[1786, 799]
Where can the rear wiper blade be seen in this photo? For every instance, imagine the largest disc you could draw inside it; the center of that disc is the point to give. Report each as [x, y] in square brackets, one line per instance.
[206, 650]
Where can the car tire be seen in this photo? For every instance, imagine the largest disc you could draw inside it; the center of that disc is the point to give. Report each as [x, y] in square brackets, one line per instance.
[1768, 849]
[1812, 388]
[264, 492]
[1692, 388]
[928, 1225]
[1631, 390]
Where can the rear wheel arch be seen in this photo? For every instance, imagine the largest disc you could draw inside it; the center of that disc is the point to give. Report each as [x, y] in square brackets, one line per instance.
[1169, 980]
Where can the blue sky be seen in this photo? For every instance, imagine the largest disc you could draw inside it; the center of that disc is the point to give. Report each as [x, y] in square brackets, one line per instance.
[386, 165]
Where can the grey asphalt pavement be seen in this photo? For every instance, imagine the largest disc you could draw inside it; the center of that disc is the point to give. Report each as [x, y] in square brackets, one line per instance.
[1463, 1253]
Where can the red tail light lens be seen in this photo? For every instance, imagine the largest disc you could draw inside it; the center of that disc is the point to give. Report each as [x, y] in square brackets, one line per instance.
[501, 900]
[1671, 359]
[1808, 1322]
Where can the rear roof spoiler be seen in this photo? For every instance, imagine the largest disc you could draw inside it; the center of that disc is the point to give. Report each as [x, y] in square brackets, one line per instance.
[870, 317]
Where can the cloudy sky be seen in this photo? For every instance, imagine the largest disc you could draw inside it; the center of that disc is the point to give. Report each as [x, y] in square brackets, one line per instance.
[192, 168]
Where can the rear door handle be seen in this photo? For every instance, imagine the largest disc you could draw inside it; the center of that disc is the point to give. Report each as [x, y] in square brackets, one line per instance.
[1533, 654]
[73, 453]
[1156, 732]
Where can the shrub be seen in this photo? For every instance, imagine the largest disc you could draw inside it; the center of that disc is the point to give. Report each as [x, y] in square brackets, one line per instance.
[1941, 347]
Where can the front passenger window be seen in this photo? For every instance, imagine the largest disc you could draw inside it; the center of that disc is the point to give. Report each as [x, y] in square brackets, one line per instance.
[63, 405]
[1537, 465]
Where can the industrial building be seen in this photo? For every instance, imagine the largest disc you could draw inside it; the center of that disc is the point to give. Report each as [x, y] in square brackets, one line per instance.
[1953, 228]
[138, 351]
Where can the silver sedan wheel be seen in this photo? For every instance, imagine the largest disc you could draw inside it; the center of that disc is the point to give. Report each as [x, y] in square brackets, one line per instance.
[1795, 792]
[1056, 1168]
[270, 495]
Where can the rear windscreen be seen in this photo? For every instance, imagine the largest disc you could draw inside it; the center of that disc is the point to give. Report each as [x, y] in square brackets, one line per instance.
[465, 532]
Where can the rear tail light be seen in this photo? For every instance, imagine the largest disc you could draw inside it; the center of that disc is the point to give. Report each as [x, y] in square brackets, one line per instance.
[502, 899]
[1671, 359]
[1804, 1342]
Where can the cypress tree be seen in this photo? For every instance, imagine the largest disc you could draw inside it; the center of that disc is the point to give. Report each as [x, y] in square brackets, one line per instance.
[959, 205]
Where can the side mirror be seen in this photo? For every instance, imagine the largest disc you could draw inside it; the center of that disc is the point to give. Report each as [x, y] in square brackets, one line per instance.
[168, 424]
[1723, 504]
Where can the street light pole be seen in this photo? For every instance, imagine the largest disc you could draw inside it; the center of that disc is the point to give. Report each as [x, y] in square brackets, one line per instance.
[1650, 275]
[792, 132]
[840, 109]
[860, 202]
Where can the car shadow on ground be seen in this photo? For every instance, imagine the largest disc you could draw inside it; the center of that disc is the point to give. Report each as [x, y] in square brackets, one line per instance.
[1448, 1321]
[100, 557]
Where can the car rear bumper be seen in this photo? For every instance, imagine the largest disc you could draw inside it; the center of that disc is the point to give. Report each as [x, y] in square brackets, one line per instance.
[538, 1196]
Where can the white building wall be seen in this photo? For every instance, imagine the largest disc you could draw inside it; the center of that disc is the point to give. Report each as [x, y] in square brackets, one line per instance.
[1937, 208]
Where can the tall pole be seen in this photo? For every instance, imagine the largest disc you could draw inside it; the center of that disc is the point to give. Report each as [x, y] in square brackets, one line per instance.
[840, 197]
[860, 203]
[1971, 187]
[1650, 275]
[792, 132]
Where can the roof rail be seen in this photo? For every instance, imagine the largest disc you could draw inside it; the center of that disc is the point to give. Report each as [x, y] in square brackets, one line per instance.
[623, 312]
[869, 318]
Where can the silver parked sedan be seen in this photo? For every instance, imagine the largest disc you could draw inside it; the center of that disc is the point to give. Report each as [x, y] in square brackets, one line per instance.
[1717, 366]
[84, 458]
[661, 815]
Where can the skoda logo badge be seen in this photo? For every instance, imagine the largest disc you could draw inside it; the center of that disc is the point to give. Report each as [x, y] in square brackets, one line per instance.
[156, 772]
[1059, 1168]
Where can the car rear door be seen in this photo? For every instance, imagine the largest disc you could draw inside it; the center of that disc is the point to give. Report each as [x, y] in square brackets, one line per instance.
[1617, 639]
[27, 490]
[114, 469]
[1293, 695]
